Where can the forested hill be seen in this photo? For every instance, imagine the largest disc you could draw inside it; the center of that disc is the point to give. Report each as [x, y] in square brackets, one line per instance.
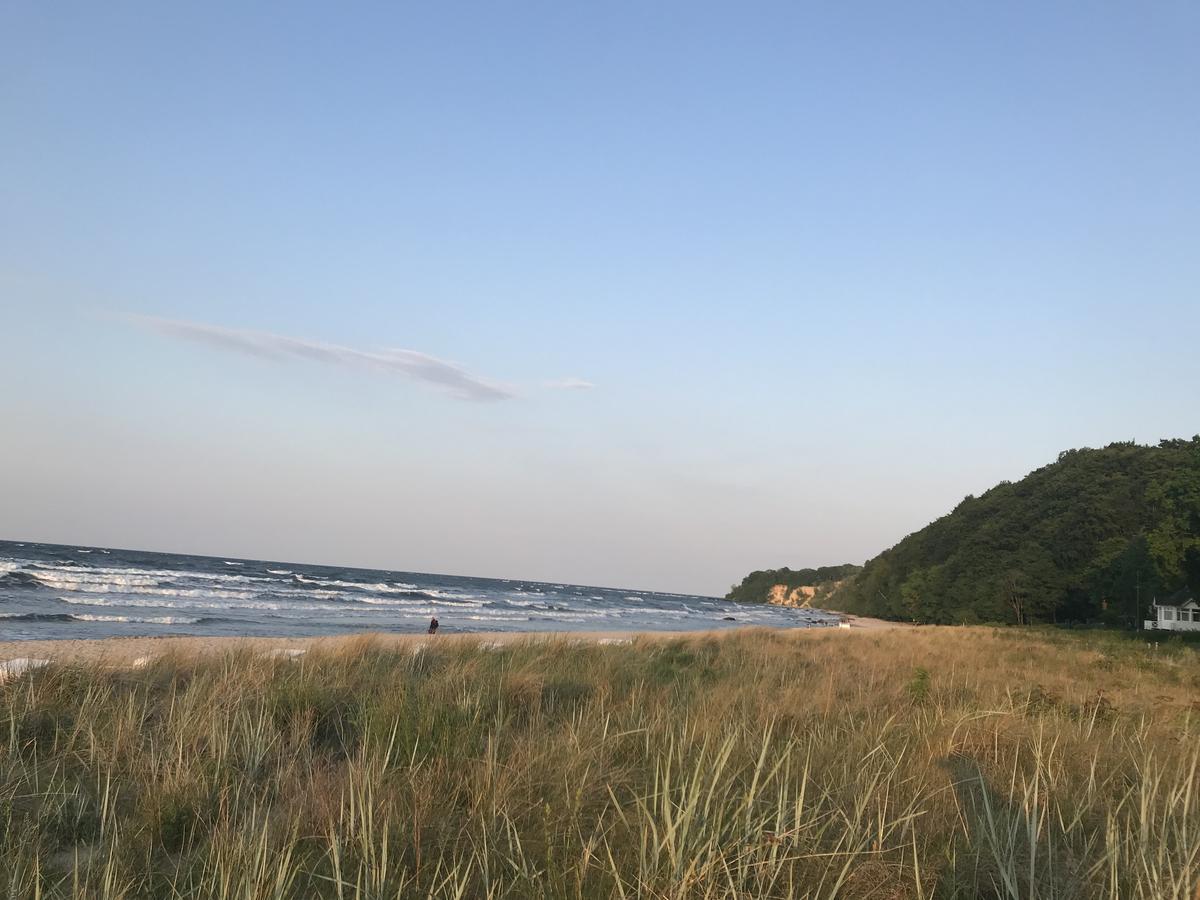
[1093, 536]
[756, 586]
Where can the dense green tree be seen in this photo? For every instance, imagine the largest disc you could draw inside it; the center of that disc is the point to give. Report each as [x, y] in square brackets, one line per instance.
[1191, 569]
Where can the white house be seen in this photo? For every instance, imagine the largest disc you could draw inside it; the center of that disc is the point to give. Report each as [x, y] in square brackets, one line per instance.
[1179, 612]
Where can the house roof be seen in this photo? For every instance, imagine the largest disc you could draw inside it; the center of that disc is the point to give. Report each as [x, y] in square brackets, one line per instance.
[1179, 598]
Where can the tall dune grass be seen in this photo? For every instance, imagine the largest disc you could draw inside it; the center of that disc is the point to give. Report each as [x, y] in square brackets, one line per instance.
[916, 764]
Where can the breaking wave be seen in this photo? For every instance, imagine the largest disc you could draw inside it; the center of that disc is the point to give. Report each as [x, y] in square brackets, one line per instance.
[381, 587]
[17, 578]
[139, 620]
[148, 620]
[37, 617]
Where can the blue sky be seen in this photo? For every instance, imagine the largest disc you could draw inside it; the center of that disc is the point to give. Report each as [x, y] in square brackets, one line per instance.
[828, 268]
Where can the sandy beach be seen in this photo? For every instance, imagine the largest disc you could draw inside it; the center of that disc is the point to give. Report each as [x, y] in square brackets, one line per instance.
[122, 651]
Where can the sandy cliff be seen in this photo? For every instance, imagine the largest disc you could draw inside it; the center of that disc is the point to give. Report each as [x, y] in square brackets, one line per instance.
[780, 595]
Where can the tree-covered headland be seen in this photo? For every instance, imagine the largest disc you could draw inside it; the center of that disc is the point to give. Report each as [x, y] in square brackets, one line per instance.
[1094, 536]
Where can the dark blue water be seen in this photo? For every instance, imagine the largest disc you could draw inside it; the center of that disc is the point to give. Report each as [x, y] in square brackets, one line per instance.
[51, 591]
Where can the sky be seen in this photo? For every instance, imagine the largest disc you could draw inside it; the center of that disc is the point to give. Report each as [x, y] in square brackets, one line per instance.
[635, 294]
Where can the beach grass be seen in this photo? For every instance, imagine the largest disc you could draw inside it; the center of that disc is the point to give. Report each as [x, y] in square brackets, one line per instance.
[926, 763]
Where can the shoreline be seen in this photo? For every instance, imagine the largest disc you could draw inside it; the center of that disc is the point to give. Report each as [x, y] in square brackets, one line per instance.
[124, 650]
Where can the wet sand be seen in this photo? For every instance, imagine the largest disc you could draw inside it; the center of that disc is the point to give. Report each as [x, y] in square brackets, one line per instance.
[122, 651]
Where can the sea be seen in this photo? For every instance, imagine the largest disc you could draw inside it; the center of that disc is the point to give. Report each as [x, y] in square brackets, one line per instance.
[50, 591]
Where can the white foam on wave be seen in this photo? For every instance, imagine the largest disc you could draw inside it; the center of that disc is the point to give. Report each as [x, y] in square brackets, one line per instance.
[69, 580]
[141, 620]
[398, 588]
[280, 571]
[229, 562]
[414, 602]
[381, 587]
[121, 587]
[187, 603]
[134, 572]
[369, 614]
[523, 616]
[89, 582]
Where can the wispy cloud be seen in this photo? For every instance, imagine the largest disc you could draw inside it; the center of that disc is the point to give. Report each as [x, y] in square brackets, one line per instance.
[408, 363]
[570, 384]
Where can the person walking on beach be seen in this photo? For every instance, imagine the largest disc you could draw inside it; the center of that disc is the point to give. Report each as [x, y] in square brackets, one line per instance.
[433, 625]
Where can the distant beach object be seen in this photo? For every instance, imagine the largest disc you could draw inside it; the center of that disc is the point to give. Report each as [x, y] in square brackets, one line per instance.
[285, 653]
[844, 625]
[433, 626]
[14, 668]
[729, 619]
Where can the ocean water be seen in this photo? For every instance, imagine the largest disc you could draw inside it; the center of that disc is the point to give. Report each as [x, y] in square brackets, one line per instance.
[49, 591]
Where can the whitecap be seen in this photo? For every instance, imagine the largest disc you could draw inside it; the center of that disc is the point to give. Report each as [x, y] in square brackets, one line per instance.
[167, 574]
[143, 620]
[110, 587]
[71, 580]
[379, 587]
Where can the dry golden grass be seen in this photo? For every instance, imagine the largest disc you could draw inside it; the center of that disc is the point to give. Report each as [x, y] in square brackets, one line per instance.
[904, 764]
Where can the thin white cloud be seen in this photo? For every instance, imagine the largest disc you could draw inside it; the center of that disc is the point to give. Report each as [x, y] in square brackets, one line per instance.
[570, 384]
[409, 363]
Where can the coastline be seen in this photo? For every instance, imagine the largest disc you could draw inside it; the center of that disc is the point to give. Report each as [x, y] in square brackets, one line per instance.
[57, 592]
[124, 650]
